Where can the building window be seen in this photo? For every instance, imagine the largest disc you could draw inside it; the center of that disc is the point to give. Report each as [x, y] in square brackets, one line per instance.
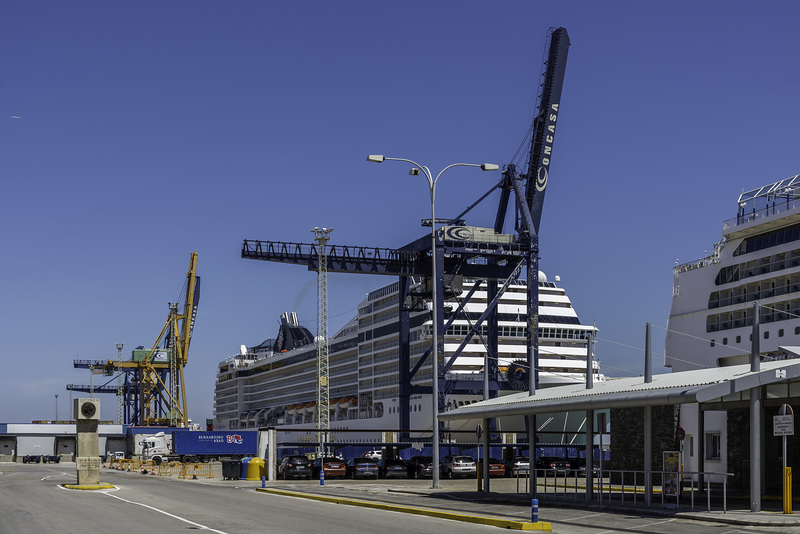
[766, 334]
[797, 330]
[724, 340]
[713, 342]
[691, 446]
[713, 446]
[738, 339]
[780, 332]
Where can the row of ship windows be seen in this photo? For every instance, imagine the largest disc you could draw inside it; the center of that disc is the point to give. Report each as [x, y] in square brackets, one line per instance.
[780, 311]
[755, 291]
[765, 265]
[713, 342]
[768, 239]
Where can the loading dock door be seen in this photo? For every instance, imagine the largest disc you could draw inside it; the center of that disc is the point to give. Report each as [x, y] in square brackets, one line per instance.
[8, 446]
[65, 446]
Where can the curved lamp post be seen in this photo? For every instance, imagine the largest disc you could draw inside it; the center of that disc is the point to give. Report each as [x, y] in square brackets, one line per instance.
[434, 287]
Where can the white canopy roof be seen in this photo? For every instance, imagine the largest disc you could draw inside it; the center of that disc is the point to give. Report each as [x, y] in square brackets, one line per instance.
[673, 388]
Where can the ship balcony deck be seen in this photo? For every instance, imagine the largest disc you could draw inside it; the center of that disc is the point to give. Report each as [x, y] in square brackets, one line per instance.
[763, 220]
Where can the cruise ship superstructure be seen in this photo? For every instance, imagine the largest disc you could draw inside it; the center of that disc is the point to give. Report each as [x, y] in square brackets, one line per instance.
[756, 260]
[755, 264]
[275, 383]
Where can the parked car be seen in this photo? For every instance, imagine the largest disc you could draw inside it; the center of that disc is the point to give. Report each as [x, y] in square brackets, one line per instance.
[517, 466]
[362, 468]
[578, 466]
[294, 466]
[458, 466]
[496, 468]
[374, 454]
[420, 466]
[553, 463]
[392, 468]
[334, 467]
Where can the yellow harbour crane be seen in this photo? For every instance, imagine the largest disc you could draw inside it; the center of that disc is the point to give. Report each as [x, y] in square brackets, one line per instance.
[161, 392]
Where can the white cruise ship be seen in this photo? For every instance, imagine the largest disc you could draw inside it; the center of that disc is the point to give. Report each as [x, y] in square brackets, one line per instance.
[275, 383]
[756, 260]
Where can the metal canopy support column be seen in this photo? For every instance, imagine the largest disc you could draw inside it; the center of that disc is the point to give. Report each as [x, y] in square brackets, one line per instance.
[648, 455]
[701, 445]
[589, 456]
[755, 418]
[648, 423]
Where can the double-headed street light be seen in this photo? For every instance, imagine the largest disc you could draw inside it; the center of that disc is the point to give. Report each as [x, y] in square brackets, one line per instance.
[434, 288]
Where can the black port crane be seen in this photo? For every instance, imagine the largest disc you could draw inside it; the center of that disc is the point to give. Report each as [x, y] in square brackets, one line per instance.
[497, 264]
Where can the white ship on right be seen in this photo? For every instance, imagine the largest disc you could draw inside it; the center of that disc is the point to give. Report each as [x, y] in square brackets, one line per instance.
[757, 260]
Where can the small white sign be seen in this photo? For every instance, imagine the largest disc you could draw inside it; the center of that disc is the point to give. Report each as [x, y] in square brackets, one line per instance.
[783, 425]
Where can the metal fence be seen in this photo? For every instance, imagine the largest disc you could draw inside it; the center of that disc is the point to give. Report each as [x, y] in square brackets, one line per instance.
[627, 488]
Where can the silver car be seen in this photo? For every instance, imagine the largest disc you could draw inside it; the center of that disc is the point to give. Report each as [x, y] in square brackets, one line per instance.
[458, 466]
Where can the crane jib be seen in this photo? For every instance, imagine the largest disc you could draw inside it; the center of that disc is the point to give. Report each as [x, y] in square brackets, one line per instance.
[543, 170]
[545, 125]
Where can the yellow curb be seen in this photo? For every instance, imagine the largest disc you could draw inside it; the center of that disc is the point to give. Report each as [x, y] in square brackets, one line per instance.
[482, 520]
[86, 487]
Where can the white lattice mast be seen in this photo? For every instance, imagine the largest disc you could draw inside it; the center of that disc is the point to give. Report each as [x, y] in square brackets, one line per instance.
[322, 235]
[120, 394]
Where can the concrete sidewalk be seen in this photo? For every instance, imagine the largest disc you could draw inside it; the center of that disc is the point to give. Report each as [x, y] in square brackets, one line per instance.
[498, 504]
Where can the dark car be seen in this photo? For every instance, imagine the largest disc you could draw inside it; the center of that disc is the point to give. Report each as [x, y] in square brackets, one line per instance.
[334, 467]
[578, 466]
[362, 468]
[294, 466]
[553, 463]
[392, 468]
[419, 467]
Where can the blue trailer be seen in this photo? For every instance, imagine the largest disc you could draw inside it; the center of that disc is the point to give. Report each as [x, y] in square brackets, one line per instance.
[215, 444]
[199, 446]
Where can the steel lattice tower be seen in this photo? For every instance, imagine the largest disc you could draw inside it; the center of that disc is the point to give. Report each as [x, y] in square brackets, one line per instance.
[120, 394]
[322, 236]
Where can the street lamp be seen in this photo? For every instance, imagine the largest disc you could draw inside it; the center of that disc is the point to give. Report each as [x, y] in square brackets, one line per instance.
[434, 287]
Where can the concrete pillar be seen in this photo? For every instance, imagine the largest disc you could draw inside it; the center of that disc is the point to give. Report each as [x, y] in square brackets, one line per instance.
[87, 441]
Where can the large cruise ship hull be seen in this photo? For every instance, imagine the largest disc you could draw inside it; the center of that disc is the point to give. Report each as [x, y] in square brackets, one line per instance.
[264, 387]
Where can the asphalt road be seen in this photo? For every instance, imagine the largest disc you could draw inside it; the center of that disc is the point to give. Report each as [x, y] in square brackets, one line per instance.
[32, 500]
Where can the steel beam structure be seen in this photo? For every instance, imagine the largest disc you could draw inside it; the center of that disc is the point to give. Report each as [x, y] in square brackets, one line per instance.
[497, 264]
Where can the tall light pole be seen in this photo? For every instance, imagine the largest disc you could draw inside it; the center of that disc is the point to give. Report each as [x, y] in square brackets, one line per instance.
[434, 288]
[120, 395]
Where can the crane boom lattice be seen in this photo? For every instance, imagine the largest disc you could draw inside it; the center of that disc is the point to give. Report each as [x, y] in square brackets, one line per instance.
[322, 235]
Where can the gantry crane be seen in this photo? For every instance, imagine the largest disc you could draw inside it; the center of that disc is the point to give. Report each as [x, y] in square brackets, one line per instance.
[497, 263]
[154, 387]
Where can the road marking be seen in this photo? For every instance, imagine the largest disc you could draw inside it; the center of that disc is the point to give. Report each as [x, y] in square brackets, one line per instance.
[179, 518]
[62, 474]
[636, 527]
[581, 517]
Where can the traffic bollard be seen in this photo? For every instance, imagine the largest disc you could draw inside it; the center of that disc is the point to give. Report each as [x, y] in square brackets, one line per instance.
[321, 477]
[534, 510]
[263, 481]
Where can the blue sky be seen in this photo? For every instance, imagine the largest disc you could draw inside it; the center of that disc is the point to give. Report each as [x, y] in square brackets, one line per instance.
[132, 134]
